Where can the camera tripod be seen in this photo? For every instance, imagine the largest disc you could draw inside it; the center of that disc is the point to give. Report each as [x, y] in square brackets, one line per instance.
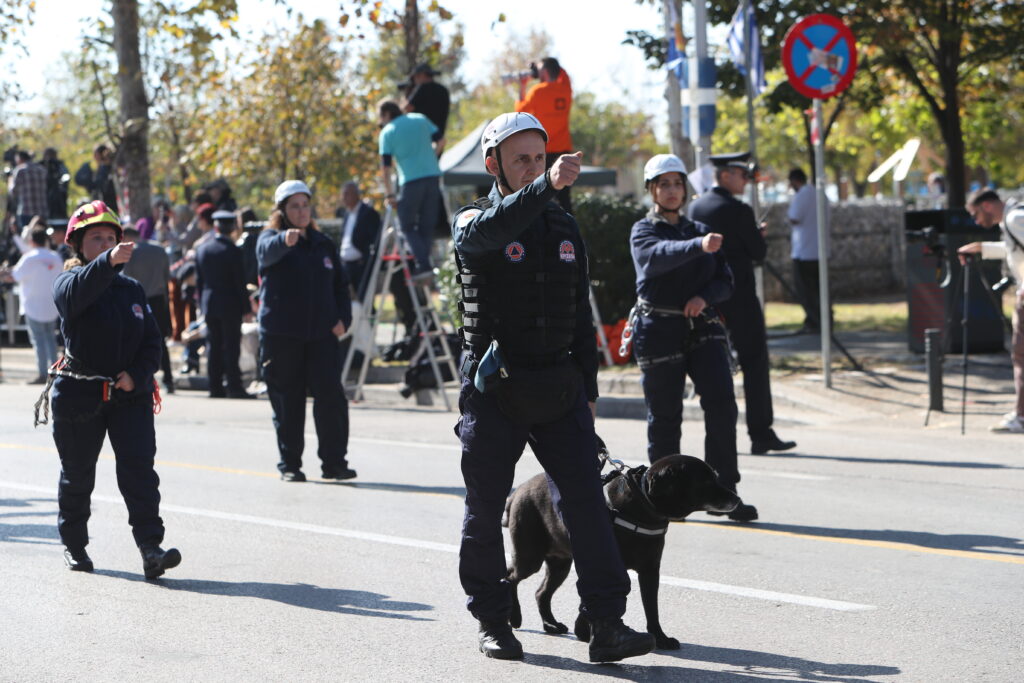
[962, 293]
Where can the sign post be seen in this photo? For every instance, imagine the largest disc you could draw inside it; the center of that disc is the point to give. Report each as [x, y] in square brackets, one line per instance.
[820, 56]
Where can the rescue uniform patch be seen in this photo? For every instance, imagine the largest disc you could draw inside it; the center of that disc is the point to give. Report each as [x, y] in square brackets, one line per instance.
[466, 216]
[137, 311]
[567, 251]
[327, 263]
[515, 252]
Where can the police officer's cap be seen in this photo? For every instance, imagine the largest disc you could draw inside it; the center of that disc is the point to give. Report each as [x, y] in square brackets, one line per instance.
[737, 160]
[223, 215]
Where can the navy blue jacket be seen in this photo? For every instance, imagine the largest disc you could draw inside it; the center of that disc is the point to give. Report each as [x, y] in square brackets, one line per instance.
[304, 288]
[672, 268]
[742, 242]
[479, 235]
[107, 326]
[220, 279]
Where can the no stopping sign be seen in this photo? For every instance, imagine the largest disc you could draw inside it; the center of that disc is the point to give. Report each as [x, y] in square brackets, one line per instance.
[820, 56]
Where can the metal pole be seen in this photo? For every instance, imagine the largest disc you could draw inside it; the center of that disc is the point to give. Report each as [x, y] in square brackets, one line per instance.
[819, 181]
[702, 143]
[933, 354]
[748, 38]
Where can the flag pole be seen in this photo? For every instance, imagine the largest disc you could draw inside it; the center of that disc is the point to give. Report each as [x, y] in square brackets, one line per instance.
[748, 47]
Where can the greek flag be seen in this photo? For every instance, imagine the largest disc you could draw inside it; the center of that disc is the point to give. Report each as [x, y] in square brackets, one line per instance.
[742, 26]
[676, 44]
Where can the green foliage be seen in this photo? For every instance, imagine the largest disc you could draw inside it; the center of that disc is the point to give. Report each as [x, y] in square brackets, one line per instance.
[606, 222]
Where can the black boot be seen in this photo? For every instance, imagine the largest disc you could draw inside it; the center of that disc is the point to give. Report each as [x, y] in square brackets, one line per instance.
[77, 560]
[498, 641]
[611, 640]
[156, 560]
[771, 443]
[741, 513]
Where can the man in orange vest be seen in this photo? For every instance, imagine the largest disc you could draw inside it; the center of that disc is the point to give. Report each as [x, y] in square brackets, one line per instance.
[550, 101]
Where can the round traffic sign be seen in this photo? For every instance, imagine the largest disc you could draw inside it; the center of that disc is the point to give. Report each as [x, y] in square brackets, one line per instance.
[820, 56]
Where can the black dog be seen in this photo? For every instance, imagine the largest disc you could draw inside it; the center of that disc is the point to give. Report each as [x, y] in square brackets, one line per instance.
[642, 502]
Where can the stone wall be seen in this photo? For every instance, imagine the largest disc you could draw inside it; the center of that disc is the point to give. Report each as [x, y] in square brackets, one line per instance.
[867, 250]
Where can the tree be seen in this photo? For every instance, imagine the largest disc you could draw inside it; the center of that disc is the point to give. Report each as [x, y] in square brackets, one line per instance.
[133, 150]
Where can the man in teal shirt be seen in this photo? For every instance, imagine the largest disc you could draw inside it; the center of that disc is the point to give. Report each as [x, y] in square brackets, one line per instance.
[408, 141]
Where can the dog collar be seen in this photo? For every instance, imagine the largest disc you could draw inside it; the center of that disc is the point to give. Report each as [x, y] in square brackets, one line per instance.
[636, 528]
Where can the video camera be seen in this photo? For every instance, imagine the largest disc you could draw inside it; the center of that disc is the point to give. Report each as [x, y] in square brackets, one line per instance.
[516, 76]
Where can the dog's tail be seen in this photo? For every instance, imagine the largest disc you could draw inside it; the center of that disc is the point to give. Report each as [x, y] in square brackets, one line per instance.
[508, 506]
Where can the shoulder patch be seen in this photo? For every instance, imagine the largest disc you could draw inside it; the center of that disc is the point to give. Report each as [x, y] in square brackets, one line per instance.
[466, 216]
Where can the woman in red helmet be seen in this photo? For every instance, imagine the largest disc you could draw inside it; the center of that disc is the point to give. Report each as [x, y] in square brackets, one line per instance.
[104, 387]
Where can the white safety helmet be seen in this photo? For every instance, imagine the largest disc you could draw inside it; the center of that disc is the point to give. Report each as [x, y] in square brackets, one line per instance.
[504, 126]
[288, 188]
[661, 164]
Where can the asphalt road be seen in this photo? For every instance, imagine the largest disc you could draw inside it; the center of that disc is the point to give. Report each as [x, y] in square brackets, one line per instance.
[884, 552]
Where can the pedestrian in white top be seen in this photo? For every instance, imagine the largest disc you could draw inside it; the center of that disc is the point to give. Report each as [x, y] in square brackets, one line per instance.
[35, 273]
[988, 210]
[803, 217]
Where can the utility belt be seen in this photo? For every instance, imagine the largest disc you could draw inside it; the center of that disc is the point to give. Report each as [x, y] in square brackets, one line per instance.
[72, 368]
[702, 329]
[530, 389]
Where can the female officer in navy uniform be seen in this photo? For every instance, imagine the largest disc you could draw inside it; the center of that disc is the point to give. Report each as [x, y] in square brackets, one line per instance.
[680, 277]
[104, 387]
[304, 308]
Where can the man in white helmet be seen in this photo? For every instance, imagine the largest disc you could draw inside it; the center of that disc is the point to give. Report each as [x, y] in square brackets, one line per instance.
[531, 374]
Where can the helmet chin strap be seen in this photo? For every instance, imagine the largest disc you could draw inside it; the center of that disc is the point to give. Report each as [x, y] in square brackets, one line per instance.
[502, 180]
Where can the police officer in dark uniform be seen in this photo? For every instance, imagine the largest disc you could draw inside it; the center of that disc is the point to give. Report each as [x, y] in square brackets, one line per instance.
[224, 301]
[681, 276]
[743, 245]
[530, 371]
[104, 387]
[304, 308]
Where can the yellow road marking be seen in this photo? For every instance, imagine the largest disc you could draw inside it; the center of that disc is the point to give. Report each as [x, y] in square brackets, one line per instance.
[887, 545]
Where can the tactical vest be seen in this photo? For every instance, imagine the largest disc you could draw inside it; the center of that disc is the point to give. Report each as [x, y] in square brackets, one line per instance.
[524, 295]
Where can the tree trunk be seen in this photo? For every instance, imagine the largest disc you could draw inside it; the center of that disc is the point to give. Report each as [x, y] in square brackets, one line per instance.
[133, 152]
[411, 28]
[953, 136]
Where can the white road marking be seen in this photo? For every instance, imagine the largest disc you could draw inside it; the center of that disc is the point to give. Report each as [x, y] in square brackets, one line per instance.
[692, 584]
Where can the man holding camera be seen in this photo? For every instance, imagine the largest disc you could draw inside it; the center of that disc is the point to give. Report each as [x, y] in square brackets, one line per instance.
[550, 101]
[988, 210]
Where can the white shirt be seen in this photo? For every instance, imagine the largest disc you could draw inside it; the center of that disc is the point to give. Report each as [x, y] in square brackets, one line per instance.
[35, 274]
[349, 252]
[803, 217]
[1013, 223]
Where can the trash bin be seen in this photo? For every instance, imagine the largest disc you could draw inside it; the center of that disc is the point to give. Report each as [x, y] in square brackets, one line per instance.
[935, 282]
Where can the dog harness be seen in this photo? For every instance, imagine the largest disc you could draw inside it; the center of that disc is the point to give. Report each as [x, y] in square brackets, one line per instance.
[631, 476]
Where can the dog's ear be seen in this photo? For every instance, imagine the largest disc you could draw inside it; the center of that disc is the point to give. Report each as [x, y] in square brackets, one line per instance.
[663, 483]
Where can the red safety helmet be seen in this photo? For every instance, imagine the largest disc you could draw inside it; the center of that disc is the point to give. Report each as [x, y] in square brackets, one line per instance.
[90, 215]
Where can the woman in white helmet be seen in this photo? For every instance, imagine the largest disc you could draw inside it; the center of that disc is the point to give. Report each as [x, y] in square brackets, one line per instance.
[304, 309]
[680, 276]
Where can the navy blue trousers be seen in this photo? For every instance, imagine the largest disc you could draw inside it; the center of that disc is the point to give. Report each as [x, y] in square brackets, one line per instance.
[745, 320]
[567, 449]
[224, 342]
[290, 366]
[663, 384]
[79, 426]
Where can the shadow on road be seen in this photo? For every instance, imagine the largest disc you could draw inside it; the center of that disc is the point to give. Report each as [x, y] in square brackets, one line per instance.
[898, 461]
[338, 600]
[30, 533]
[991, 545]
[766, 666]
